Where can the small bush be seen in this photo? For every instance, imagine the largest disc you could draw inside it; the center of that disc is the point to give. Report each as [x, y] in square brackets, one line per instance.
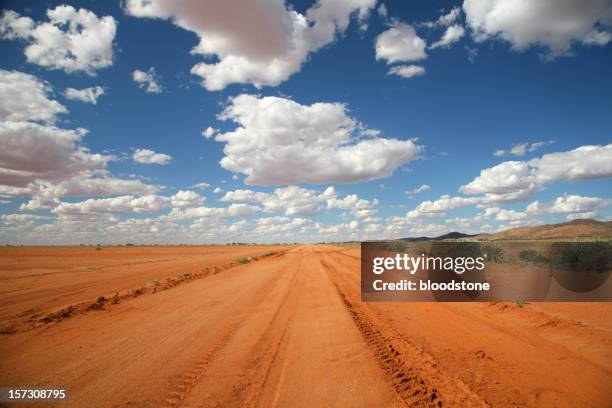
[521, 303]
[494, 253]
[99, 305]
[185, 274]
[531, 256]
[243, 261]
[153, 283]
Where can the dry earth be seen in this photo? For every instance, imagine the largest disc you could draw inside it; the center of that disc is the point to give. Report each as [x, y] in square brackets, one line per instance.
[576, 229]
[285, 330]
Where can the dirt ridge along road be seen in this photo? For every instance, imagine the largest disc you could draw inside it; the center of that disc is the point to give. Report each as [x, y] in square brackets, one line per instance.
[29, 300]
[542, 354]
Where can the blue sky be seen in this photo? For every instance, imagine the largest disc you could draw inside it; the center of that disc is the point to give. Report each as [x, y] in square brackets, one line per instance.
[504, 122]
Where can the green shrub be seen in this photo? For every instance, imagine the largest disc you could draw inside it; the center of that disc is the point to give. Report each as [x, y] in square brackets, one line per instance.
[521, 303]
[531, 256]
[592, 256]
[494, 253]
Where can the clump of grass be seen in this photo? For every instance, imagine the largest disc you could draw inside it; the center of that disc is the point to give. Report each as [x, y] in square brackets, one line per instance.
[244, 261]
[153, 283]
[99, 304]
[59, 315]
[185, 274]
[521, 303]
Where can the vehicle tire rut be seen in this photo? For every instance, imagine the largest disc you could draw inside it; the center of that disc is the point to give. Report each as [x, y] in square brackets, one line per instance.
[414, 374]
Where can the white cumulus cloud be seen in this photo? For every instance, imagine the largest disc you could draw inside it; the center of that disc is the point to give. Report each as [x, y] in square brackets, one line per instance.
[72, 40]
[24, 97]
[517, 180]
[255, 42]
[440, 206]
[316, 143]
[201, 186]
[400, 43]
[127, 204]
[186, 198]
[445, 19]
[417, 190]
[148, 156]
[520, 149]
[298, 201]
[575, 206]
[91, 183]
[554, 24]
[147, 80]
[242, 210]
[209, 132]
[31, 152]
[451, 35]
[87, 95]
[407, 71]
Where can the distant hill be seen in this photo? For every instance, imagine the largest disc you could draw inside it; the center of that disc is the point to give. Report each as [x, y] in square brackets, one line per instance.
[567, 230]
[450, 235]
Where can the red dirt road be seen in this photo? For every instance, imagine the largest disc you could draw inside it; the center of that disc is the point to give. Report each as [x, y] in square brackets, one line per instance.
[289, 330]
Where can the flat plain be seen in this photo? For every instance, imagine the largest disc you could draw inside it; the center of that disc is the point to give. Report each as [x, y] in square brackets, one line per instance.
[235, 326]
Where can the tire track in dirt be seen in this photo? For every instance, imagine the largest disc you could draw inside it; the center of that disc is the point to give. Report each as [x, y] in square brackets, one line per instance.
[189, 379]
[186, 381]
[299, 349]
[414, 375]
[271, 347]
[315, 288]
